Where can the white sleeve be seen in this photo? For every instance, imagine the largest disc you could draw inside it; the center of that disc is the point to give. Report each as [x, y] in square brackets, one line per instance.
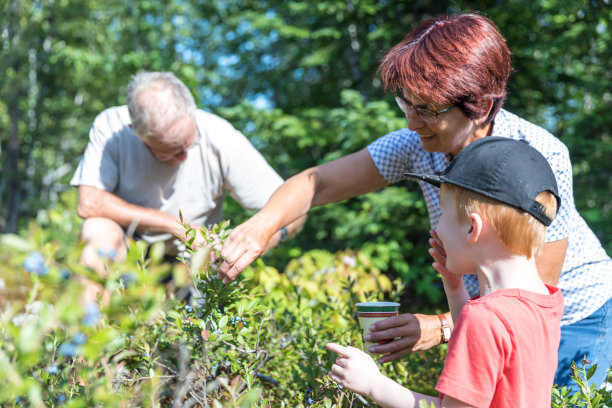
[98, 167]
[248, 177]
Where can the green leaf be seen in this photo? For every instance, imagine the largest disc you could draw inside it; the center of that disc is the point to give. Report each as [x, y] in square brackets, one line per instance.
[223, 321]
[591, 371]
[15, 242]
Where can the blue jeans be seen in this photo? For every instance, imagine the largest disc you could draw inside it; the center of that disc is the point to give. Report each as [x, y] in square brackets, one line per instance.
[591, 336]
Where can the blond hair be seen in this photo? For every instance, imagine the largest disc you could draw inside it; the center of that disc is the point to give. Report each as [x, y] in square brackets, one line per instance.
[517, 229]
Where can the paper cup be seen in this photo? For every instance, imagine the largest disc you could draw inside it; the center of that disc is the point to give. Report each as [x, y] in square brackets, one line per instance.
[370, 312]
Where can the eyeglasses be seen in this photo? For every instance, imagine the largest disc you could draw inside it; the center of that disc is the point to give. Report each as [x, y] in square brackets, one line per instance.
[426, 115]
[166, 158]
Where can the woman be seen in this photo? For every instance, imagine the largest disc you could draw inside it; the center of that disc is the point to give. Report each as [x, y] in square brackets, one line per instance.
[449, 76]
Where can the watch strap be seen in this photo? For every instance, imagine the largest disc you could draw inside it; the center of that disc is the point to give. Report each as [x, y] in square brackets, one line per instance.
[445, 329]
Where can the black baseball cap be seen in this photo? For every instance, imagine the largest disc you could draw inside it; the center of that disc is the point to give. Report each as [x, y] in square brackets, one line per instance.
[507, 170]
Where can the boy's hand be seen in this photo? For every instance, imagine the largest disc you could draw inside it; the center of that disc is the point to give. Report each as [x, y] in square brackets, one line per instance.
[354, 369]
[437, 252]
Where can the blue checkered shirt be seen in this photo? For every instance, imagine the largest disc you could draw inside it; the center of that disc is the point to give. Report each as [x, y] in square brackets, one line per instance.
[586, 279]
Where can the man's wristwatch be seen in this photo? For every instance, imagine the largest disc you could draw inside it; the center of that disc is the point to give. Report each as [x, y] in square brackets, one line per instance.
[445, 329]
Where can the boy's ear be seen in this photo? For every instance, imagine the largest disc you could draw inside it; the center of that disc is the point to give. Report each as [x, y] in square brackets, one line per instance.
[475, 228]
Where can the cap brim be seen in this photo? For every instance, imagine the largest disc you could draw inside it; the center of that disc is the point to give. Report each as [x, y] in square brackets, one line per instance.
[433, 180]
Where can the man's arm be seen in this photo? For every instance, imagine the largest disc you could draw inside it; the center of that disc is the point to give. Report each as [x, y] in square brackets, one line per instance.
[337, 180]
[550, 261]
[94, 202]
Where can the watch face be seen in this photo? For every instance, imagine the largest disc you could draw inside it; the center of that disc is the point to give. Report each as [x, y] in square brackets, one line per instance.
[446, 332]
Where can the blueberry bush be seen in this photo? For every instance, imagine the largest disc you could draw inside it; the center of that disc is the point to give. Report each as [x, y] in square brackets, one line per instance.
[172, 334]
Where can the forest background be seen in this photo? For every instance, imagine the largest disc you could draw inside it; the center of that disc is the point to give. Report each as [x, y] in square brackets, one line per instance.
[299, 79]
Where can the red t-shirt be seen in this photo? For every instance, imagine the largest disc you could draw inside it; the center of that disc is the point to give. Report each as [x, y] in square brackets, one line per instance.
[503, 350]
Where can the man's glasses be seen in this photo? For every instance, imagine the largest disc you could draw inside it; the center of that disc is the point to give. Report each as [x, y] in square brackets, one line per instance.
[426, 115]
[169, 157]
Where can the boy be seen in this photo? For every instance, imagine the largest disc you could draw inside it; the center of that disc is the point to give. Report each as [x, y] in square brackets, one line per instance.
[497, 197]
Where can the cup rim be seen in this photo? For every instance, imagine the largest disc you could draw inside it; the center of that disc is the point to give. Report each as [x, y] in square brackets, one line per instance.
[376, 304]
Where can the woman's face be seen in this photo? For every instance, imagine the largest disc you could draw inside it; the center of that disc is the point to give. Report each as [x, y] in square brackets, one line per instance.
[450, 132]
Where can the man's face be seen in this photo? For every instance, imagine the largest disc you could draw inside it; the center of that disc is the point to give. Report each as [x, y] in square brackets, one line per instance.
[173, 145]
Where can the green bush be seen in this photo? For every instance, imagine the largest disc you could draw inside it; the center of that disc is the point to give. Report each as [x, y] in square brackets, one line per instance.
[190, 340]
[259, 341]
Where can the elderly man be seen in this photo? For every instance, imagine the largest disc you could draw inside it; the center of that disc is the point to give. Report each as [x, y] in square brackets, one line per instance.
[157, 156]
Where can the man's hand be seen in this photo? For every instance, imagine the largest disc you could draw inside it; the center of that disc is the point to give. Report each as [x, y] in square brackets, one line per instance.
[354, 369]
[411, 332]
[197, 234]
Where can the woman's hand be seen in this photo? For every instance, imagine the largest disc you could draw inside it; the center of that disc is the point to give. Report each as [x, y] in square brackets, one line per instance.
[244, 244]
[354, 370]
[411, 332]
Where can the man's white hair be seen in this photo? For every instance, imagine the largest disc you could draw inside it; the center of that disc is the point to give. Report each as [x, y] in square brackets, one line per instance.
[151, 115]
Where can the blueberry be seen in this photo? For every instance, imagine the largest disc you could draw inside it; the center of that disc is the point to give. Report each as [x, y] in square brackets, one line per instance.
[188, 308]
[61, 398]
[220, 331]
[35, 263]
[78, 339]
[52, 369]
[92, 315]
[65, 274]
[310, 401]
[67, 349]
[107, 253]
[340, 387]
[126, 279]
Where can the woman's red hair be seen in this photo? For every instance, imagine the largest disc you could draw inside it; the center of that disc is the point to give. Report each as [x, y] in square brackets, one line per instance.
[460, 59]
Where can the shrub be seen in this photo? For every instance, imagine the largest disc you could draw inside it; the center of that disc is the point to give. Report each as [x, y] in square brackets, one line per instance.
[259, 341]
[191, 340]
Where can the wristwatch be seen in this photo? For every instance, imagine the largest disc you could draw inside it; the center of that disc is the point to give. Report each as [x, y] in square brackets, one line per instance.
[445, 329]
